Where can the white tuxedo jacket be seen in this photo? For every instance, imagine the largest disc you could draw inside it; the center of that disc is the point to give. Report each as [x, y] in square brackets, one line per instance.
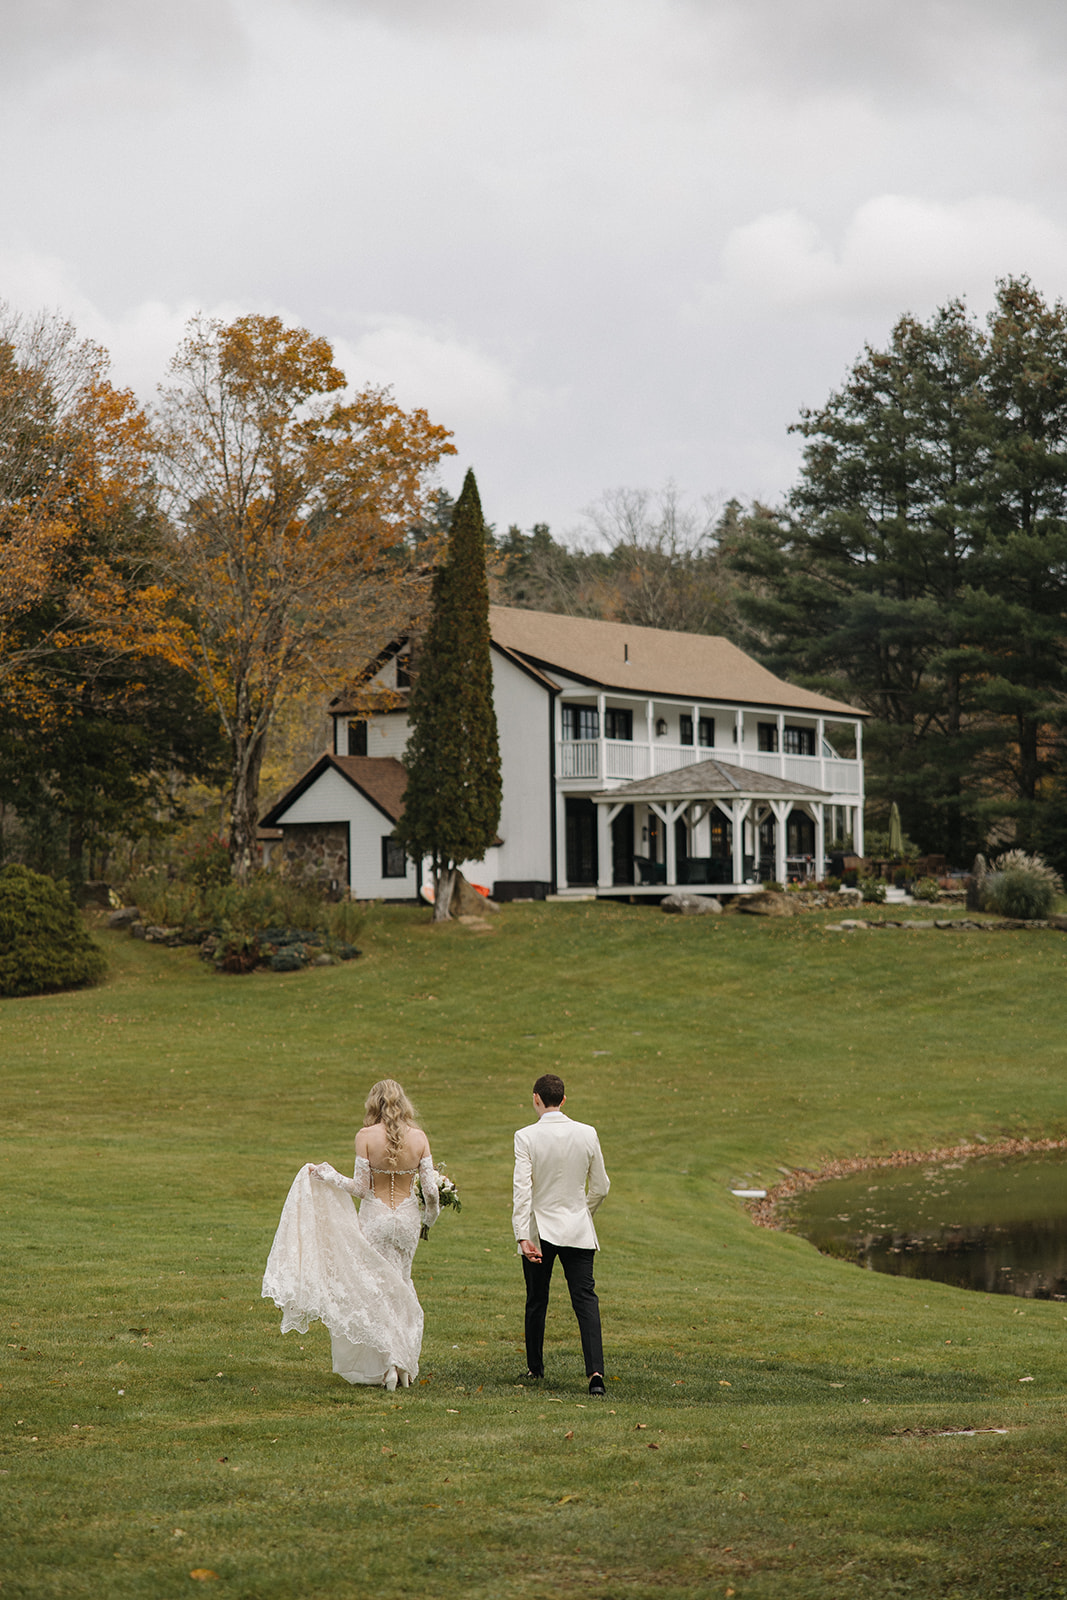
[559, 1181]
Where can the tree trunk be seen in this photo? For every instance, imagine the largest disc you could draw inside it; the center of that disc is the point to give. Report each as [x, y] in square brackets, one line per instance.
[444, 881]
[244, 808]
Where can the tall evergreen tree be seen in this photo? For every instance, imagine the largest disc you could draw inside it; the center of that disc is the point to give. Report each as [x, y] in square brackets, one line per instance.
[452, 803]
[920, 567]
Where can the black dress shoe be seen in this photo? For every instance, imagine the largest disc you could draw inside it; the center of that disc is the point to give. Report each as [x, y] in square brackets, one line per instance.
[597, 1390]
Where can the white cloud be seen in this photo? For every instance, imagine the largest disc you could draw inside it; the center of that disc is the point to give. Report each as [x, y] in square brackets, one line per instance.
[896, 253]
[449, 375]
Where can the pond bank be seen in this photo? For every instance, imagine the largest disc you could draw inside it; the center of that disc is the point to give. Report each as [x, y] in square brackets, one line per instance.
[764, 1212]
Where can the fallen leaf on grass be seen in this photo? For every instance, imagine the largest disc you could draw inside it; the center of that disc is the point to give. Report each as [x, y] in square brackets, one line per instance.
[567, 1498]
[639, 1425]
[570, 1434]
[203, 1572]
[386, 1451]
[724, 1383]
[1026, 1380]
[653, 1445]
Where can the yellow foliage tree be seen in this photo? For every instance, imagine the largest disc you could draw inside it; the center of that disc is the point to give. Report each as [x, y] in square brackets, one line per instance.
[291, 507]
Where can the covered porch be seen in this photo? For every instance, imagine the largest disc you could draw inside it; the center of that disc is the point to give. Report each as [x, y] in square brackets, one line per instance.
[708, 827]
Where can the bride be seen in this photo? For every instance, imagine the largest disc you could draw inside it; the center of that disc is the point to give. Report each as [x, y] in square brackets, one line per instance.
[353, 1272]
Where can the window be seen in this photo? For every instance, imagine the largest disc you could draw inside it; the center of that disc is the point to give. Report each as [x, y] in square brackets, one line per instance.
[403, 671]
[767, 735]
[357, 738]
[800, 741]
[705, 730]
[581, 722]
[619, 724]
[394, 858]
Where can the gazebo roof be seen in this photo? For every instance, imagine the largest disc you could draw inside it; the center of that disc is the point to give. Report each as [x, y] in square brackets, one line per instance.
[710, 779]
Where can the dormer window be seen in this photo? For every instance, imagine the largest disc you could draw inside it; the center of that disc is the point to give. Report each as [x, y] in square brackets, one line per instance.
[357, 738]
[403, 670]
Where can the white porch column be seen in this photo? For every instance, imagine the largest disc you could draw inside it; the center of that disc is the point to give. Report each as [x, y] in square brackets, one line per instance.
[602, 751]
[820, 734]
[781, 744]
[781, 809]
[857, 828]
[820, 838]
[671, 846]
[739, 735]
[740, 810]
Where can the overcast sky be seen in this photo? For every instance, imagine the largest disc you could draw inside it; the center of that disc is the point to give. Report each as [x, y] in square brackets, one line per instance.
[607, 242]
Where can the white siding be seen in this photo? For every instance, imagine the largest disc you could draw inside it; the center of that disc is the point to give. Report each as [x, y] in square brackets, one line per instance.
[367, 829]
[329, 800]
[387, 734]
[523, 710]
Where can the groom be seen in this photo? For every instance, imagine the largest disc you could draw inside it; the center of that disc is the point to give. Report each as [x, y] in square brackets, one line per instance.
[559, 1182]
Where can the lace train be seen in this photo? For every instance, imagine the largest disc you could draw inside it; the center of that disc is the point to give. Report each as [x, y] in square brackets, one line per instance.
[323, 1267]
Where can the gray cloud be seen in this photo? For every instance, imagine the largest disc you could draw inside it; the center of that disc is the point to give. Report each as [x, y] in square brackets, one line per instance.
[608, 243]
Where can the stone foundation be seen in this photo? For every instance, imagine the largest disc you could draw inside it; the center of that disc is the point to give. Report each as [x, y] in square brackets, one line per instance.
[317, 852]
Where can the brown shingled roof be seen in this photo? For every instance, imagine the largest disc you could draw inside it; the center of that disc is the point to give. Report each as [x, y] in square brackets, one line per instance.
[614, 655]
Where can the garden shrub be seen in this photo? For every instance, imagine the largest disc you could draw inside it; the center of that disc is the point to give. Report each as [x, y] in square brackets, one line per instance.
[44, 944]
[872, 890]
[926, 889]
[772, 886]
[1020, 886]
[1019, 894]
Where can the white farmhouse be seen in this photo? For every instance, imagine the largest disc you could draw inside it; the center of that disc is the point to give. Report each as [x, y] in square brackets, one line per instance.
[634, 760]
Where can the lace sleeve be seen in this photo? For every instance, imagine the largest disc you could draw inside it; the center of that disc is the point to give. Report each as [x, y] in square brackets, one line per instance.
[357, 1186]
[431, 1202]
[362, 1183]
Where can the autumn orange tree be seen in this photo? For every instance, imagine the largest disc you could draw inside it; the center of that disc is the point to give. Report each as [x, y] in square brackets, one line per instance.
[73, 474]
[291, 506]
[96, 712]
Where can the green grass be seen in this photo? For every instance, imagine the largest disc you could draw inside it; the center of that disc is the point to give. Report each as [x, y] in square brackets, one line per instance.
[152, 1127]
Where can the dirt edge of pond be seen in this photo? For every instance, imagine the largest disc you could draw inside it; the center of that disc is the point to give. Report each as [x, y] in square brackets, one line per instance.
[764, 1212]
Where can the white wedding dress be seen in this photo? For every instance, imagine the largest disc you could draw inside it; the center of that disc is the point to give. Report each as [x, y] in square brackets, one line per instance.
[352, 1271]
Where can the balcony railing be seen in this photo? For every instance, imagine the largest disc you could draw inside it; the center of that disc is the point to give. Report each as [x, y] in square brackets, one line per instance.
[625, 760]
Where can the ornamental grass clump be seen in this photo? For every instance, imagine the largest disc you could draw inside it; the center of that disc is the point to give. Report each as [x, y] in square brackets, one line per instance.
[44, 944]
[927, 889]
[1021, 886]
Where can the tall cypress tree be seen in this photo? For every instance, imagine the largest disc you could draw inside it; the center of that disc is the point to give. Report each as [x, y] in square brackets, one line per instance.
[452, 803]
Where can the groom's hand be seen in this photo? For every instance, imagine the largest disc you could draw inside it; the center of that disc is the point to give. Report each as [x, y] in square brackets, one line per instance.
[530, 1250]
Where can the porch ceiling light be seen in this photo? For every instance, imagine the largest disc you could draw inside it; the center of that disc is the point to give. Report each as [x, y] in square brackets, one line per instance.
[661, 727]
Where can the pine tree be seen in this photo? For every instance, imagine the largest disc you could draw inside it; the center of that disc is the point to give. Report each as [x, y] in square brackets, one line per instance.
[452, 803]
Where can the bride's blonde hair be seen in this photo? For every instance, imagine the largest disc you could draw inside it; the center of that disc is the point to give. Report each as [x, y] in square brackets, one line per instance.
[388, 1105]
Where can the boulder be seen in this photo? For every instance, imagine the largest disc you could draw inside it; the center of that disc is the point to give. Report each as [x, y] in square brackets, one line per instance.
[769, 903]
[123, 918]
[690, 905]
[467, 902]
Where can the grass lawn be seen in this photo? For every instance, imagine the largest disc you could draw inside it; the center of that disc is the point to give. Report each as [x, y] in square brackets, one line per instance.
[774, 1419]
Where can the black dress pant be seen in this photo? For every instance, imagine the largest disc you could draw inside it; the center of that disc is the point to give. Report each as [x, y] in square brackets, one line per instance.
[578, 1270]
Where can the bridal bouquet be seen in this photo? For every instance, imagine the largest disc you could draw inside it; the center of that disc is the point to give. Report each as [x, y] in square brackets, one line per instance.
[447, 1193]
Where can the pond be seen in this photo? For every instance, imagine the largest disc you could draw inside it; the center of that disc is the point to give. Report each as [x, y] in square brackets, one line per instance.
[995, 1223]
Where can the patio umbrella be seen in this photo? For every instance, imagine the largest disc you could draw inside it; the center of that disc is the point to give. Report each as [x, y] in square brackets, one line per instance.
[896, 832]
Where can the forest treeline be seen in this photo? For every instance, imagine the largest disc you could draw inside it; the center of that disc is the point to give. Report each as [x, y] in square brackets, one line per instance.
[174, 581]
